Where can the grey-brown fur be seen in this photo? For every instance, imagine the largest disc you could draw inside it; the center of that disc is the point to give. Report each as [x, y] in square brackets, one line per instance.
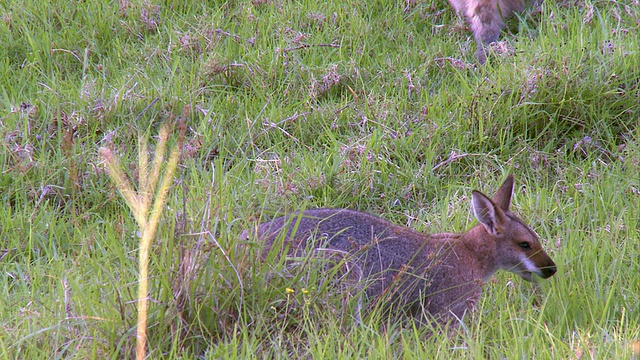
[427, 276]
[486, 18]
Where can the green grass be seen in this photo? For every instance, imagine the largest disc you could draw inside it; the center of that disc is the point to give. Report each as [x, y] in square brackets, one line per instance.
[373, 105]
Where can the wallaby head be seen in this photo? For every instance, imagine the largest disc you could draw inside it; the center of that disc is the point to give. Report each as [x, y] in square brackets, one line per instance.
[517, 246]
[486, 18]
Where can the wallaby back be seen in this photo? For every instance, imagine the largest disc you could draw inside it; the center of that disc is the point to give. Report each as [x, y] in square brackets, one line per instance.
[425, 275]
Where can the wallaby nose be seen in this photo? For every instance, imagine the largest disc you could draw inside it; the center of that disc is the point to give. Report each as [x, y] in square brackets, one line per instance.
[549, 270]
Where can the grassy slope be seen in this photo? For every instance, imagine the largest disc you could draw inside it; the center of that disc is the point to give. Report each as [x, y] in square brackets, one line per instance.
[370, 105]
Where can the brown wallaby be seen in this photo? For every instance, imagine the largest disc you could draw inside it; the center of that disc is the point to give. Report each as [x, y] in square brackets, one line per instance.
[426, 276]
[486, 18]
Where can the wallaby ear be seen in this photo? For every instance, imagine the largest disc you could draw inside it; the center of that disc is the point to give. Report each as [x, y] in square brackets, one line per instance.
[488, 213]
[502, 198]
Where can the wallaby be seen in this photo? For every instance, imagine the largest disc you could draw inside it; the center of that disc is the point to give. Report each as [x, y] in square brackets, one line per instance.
[486, 19]
[430, 277]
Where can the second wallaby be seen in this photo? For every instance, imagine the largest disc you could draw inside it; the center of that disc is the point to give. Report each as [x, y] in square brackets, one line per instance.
[486, 18]
[429, 277]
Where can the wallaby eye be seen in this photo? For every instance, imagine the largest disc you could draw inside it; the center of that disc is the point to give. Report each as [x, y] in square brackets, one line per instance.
[524, 245]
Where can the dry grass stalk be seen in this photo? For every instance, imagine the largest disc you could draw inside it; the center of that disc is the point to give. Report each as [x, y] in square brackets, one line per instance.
[146, 216]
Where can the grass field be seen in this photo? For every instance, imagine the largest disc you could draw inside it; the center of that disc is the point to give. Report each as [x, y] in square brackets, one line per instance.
[371, 105]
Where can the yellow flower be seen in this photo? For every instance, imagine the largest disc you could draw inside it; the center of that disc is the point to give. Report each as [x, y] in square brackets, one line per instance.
[290, 291]
[305, 291]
